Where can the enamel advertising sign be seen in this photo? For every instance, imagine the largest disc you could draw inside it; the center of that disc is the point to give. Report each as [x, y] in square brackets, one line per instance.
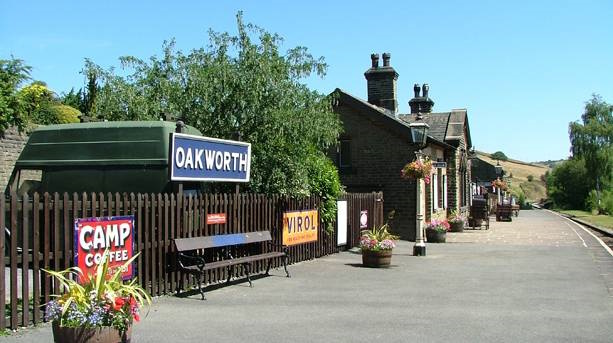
[300, 227]
[196, 158]
[92, 236]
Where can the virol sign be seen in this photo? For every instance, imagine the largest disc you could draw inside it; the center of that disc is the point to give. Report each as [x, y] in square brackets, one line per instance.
[92, 236]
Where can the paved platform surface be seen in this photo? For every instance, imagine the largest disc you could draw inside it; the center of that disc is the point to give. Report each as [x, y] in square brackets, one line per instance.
[539, 278]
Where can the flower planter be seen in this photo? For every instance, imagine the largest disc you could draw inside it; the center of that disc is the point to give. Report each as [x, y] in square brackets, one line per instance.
[436, 236]
[457, 226]
[377, 259]
[105, 334]
[475, 222]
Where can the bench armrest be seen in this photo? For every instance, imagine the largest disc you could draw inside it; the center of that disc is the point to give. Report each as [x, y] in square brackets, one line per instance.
[199, 260]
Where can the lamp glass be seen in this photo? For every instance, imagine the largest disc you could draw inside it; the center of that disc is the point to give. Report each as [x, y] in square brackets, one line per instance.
[419, 133]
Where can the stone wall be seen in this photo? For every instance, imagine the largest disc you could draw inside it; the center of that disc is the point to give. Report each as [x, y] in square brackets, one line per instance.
[377, 156]
[11, 144]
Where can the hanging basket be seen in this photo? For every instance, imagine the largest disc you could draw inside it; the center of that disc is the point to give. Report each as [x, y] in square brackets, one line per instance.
[417, 170]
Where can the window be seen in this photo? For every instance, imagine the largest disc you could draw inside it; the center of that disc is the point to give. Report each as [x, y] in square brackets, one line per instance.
[344, 154]
[444, 191]
[435, 189]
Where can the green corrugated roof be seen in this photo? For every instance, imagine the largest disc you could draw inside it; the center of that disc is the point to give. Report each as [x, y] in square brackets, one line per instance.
[100, 143]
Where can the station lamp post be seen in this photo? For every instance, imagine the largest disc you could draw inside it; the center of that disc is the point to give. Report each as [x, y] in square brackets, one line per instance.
[419, 135]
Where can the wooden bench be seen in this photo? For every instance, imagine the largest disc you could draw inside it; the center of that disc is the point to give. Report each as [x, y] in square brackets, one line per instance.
[192, 261]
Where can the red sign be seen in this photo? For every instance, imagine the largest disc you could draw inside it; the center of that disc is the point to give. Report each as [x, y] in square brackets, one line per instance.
[215, 218]
[93, 236]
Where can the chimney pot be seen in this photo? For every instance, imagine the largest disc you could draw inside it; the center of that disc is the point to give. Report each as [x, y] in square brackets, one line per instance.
[375, 60]
[386, 59]
[416, 90]
[425, 88]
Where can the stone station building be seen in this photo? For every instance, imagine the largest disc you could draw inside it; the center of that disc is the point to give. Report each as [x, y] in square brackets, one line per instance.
[376, 144]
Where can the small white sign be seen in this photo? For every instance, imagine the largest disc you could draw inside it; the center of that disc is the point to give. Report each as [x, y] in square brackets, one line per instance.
[341, 221]
[363, 219]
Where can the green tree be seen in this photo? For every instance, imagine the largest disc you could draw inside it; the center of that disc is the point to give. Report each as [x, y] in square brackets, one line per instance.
[566, 185]
[73, 98]
[592, 140]
[239, 86]
[499, 155]
[88, 96]
[36, 100]
[12, 73]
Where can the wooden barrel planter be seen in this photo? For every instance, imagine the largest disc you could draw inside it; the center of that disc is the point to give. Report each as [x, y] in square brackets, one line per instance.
[435, 236]
[105, 334]
[456, 226]
[376, 259]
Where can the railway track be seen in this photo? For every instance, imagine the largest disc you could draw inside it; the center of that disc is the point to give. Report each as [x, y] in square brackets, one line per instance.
[607, 239]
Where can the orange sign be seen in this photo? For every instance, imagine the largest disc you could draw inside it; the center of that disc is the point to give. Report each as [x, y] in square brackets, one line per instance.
[300, 227]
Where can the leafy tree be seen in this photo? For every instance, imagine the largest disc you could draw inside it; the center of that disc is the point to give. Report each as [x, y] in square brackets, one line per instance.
[36, 99]
[239, 86]
[499, 155]
[12, 73]
[592, 140]
[73, 98]
[88, 97]
[566, 185]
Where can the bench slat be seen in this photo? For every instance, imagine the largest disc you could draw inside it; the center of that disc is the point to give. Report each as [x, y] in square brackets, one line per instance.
[193, 243]
[241, 260]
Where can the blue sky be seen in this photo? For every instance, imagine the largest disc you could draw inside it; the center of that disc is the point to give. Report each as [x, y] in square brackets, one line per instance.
[522, 69]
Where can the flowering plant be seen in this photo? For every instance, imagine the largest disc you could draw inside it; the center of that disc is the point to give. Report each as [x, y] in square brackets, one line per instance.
[438, 225]
[102, 300]
[456, 217]
[500, 184]
[377, 239]
[418, 170]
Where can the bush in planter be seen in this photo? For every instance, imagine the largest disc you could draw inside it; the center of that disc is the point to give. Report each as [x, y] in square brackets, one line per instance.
[436, 231]
[100, 300]
[457, 221]
[377, 245]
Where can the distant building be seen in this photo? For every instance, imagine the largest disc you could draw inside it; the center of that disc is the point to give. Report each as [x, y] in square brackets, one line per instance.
[484, 172]
[376, 144]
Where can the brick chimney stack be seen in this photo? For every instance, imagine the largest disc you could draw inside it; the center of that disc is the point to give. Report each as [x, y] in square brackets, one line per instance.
[421, 103]
[381, 82]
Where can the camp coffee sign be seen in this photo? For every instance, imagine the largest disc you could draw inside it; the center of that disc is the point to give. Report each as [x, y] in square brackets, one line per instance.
[92, 236]
[300, 227]
[196, 158]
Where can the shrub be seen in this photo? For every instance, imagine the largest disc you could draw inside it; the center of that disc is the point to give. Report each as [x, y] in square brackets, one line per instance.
[530, 178]
[499, 155]
[65, 114]
[606, 202]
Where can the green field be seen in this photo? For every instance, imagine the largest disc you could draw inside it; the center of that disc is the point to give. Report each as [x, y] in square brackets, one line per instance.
[600, 220]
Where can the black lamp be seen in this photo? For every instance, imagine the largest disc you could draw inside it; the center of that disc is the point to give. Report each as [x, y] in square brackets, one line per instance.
[419, 133]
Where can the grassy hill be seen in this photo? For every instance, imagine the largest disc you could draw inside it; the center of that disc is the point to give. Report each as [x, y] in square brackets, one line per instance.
[519, 172]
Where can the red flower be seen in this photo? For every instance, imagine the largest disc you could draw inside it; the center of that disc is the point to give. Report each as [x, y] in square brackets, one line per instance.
[136, 317]
[119, 302]
[133, 302]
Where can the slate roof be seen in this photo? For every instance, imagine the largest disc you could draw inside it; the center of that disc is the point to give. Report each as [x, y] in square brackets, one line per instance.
[388, 117]
[444, 126]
